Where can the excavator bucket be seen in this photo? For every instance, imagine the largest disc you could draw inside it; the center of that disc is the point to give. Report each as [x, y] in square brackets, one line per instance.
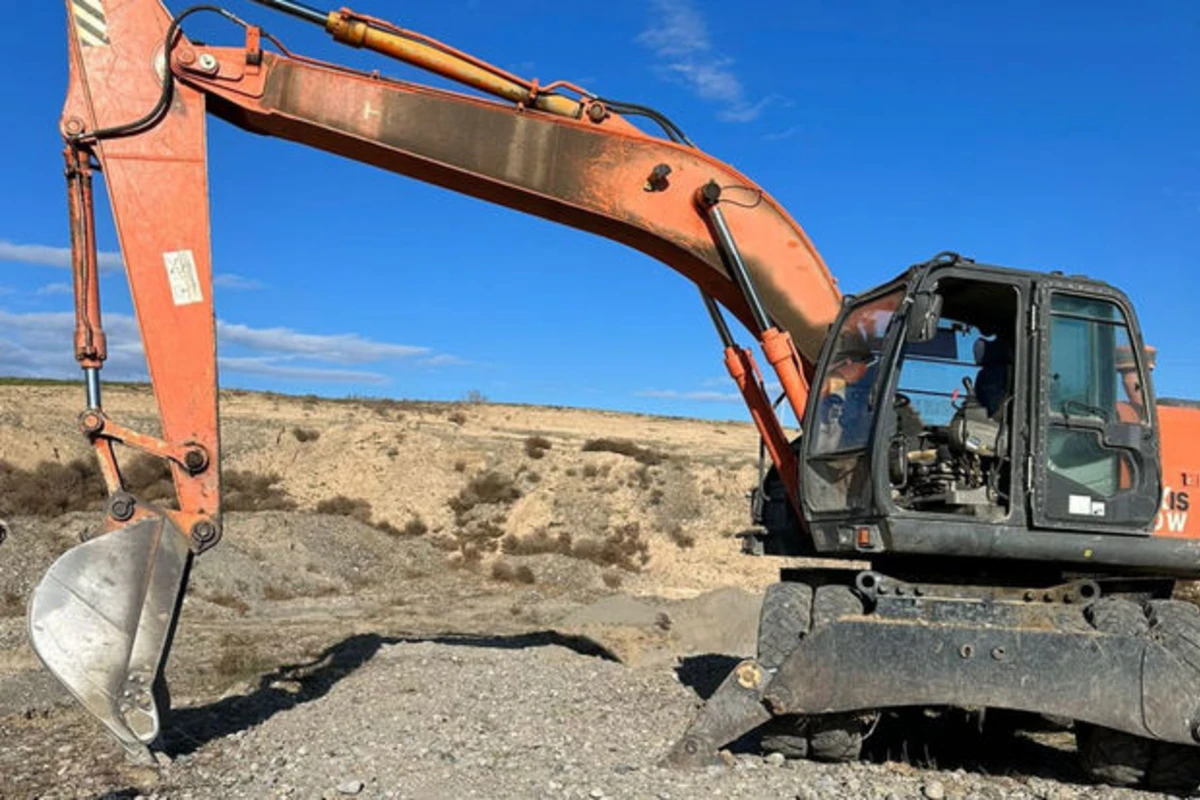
[102, 620]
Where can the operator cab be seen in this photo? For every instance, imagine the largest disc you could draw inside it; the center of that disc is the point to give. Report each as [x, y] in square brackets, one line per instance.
[962, 408]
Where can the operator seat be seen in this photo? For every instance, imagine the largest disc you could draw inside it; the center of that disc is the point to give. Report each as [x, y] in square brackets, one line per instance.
[994, 358]
[979, 426]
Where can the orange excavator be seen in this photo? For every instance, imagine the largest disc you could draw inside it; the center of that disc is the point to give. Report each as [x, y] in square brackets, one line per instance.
[987, 439]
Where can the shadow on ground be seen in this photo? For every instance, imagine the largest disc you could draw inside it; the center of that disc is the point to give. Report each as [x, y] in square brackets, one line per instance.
[292, 685]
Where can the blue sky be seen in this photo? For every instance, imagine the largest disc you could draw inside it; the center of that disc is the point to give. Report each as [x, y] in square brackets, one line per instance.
[1059, 135]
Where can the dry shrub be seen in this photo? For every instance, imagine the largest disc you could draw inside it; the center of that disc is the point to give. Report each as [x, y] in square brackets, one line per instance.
[342, 506]
[682, 539]
[227, 600]
[621, 547]
[506, 572]
[273, 592]
[625, 447]
[444, 542]
[643, 477]
[613, 580]
[536, 446]
[457, 417]
[415, 527]
[238, 657]
[536, 543]
[304, 435]
[50, 488]
[590, 470]
[11, 605]
[149, 479]
[248, 491]
[489, 487]
[460, 466]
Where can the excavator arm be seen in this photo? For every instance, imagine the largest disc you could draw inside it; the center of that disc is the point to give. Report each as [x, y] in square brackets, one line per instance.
[103, 617]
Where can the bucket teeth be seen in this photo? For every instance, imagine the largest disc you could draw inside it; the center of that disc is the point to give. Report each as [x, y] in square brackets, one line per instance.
[102, 620]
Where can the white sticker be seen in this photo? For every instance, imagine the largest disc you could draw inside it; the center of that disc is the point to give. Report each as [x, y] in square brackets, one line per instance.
[1079, 504]
[181, 272]
[1097, 508]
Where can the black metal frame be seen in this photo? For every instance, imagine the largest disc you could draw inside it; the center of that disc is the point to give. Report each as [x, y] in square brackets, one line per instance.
[895, 534]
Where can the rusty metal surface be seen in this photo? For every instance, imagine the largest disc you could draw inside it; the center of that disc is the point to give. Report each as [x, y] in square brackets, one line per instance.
[588, 175]
[158, 185]
[1043, 658]
[734, 709]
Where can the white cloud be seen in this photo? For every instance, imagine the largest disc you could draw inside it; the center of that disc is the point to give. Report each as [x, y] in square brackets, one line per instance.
[443, 360]
[231, 280]
[702, 395]
[779, 136]
[679, 39]
[39, 344]
[340, 348]
[56, 288]
[710, 394]
[45, 256]
[271, 368]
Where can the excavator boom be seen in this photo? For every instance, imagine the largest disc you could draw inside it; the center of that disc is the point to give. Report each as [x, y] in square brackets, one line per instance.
[139, 92]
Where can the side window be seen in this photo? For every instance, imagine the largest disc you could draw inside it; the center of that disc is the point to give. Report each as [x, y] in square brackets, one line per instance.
[1094, 371]
[1095, 381]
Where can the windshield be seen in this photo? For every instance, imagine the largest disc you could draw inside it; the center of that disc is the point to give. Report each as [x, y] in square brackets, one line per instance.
[844, 410]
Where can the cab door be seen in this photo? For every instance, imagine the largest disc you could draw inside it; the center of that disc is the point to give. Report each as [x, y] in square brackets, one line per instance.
[1095, 462]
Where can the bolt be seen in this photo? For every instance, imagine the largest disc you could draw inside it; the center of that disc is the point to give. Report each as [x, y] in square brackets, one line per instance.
[998, 653]
[918, 591]
[900, 590]
[657, 181]
[121, 506]
[1030, 596]
[196, 460]
[596, 112]
[187, 56]
[91, 422]
[74, 126]
[208, 62]
[966, 651]
[204, 534]
[691, 747]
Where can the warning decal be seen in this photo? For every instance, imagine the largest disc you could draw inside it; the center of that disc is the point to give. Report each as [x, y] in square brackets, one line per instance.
[181, 273]
[90, 22]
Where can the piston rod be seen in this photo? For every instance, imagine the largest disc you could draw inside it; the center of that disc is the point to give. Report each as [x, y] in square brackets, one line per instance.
[708, 199]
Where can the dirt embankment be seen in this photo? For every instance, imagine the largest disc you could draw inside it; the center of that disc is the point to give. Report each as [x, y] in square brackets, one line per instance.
[444, 600]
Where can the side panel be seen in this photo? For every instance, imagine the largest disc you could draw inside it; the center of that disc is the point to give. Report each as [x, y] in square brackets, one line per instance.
[1179, 427]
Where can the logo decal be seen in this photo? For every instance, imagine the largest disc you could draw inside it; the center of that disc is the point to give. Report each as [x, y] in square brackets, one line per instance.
[90, 22]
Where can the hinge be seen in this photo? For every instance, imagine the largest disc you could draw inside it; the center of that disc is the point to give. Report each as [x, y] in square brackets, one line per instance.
[1029, 476]
[1033, 317]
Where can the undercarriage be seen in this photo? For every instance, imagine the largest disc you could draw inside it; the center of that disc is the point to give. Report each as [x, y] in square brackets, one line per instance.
[835, 648]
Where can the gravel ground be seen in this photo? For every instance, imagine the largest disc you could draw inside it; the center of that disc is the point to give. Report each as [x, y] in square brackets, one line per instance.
[490, 718]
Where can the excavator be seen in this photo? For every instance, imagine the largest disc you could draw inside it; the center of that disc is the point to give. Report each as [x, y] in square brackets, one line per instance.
[981, 446]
